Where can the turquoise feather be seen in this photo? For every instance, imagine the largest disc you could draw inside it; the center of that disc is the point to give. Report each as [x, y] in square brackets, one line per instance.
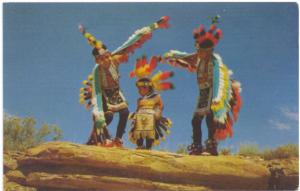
[221, 114]
[216, 77]
[98, 106]
[179, 54]
[129, 42]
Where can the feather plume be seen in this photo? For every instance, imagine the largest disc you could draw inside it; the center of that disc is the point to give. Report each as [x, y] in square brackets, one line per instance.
[153, 63]
[163, 22]
[237, 100]
[156, 76]
[140, 36]
[166, 75]
[165, 86]
[143, 61]
[132, 74]
[225, 130]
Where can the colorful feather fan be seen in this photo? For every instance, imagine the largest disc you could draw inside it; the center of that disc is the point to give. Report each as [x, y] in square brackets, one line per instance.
[144, 70]
[226, 99]
[222, 92]
[141, 36]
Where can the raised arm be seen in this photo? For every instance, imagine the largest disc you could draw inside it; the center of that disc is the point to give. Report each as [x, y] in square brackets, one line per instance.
[140, 36]
[181, 59]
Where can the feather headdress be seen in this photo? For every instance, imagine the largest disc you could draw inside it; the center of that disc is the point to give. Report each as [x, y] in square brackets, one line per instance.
[143, 70]
[207, 39]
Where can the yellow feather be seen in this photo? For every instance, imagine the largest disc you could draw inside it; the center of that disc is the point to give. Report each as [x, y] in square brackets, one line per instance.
[87, 35]
[156, 142]
[81, 101]
[84, 82]
[156, 76]
[90, 77]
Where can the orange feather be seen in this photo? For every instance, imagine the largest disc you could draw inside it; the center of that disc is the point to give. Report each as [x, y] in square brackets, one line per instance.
[153, 63]
[166, 86]
[166, 75]
[237, 103]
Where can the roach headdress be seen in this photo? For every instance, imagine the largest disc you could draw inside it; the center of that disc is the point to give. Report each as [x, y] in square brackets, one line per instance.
[207, 39]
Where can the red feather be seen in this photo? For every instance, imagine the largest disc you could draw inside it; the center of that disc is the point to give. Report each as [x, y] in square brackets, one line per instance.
[196, 32]
[201, 29]
[225, 130]
[229, 124]
[220, 134]
[132, 74]
[237, 103]
[138, 63]
[166, 75]
[143, 61]
[166, 86]
[153, 63]
[219, 33]
[212, 28]
[163, 22]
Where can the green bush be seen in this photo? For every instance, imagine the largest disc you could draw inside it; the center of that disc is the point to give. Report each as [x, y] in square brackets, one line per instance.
[282, 152]
[182, 149]
[249, 150]
[20, 134]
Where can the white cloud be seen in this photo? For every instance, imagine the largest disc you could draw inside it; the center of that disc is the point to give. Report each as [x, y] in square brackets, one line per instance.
[279, 125]
[290, 114]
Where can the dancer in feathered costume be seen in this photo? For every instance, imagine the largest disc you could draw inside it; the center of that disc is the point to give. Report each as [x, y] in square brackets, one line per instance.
[219, 94]
[102, 91]
[147, 122]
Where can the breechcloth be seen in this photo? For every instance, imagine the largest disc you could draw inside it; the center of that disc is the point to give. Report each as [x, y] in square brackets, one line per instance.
[121, 108]
[115, 101]
[204, 78]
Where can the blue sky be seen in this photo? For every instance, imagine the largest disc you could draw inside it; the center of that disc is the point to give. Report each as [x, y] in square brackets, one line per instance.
[46, 59]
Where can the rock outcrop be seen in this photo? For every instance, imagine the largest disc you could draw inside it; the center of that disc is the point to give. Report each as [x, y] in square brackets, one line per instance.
[68, 166]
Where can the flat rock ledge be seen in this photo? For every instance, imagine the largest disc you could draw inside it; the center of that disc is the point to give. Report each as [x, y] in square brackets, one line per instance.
[69, 166]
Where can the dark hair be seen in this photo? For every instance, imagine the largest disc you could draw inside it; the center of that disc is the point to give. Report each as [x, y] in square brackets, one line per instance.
[95, 52]
[146, 80]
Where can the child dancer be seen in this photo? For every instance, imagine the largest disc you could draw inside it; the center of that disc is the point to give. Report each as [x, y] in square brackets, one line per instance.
[148, 124]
